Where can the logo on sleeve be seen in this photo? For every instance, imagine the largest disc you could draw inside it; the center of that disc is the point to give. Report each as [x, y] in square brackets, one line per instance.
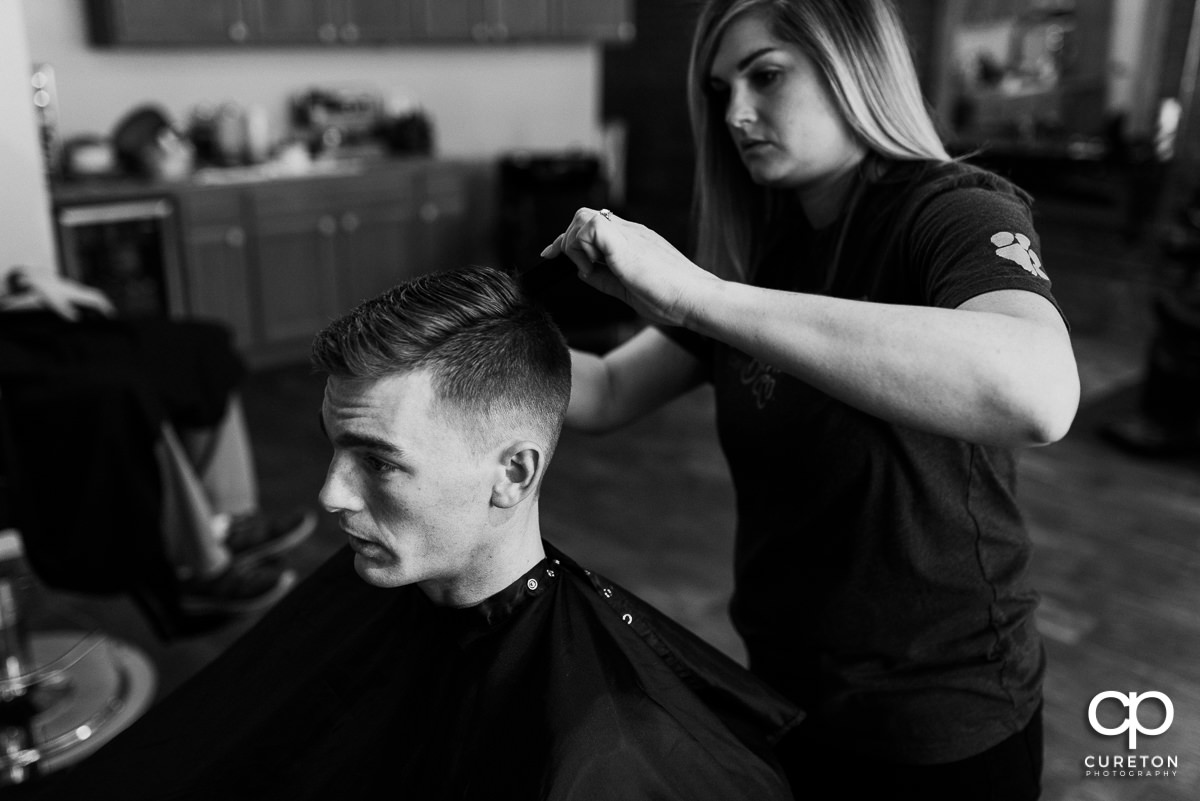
[1015, 248]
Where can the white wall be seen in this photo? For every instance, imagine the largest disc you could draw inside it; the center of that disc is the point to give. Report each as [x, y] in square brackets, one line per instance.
[25, 232]
[483, 99]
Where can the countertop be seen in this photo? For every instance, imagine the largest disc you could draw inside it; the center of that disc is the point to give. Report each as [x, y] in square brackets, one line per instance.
[128, 187]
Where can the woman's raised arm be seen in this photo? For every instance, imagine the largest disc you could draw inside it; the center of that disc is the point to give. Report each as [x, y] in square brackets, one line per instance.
[998, 370]
[629, 381]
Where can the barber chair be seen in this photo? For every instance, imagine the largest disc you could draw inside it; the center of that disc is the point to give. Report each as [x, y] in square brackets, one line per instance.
[66, 687]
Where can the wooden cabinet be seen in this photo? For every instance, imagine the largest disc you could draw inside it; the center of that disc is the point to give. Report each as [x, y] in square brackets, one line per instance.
[216, 260]
[374, 22]
[278, 260]
[525, 20]
[295, 250]
[604, 20]
[445, 238]
[333, 22]
[516, 19]
[290, 21]
[166, 22]
[249, 23]
[482, 20]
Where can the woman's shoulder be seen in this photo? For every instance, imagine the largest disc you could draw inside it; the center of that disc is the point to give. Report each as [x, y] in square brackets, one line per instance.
[907, 191]
[931, 178]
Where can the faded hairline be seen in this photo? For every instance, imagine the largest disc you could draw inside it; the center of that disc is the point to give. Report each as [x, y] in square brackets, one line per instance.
[497, 364]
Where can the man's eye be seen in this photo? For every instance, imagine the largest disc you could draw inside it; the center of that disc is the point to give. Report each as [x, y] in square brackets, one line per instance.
[377, 465]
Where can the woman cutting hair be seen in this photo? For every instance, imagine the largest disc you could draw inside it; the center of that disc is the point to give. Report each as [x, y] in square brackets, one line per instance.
[882, 339]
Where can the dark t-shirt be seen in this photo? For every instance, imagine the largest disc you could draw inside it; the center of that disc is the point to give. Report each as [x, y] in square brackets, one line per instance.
[880, 570]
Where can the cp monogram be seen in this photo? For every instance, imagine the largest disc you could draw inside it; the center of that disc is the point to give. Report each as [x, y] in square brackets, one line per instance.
[1132, 724]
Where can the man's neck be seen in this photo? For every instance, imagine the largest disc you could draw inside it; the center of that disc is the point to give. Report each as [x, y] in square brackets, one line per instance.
[490, 571]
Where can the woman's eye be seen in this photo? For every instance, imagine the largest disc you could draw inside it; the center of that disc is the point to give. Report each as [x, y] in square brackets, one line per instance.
[764, 78]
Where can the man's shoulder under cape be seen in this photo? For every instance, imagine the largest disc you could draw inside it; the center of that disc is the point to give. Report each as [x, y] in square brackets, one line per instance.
[563, 686]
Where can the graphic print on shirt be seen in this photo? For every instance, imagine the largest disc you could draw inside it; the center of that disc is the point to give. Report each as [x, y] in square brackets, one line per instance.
[1015, 248]
[760, 378]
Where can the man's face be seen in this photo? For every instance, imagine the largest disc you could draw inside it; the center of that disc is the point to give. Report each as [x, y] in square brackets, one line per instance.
[408, 489]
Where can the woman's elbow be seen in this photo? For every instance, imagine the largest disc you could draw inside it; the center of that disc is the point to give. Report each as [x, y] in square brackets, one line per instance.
[1050, 410]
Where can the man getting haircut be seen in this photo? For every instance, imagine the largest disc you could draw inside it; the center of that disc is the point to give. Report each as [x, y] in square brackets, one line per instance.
[449, 651]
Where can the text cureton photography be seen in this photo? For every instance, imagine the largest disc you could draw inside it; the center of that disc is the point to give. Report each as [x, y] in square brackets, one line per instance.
[1122, 710]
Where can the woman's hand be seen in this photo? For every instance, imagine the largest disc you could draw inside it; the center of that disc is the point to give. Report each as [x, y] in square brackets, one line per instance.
[633, 264]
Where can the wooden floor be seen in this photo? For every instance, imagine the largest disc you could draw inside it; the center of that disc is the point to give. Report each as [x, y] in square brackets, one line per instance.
[1117, 559]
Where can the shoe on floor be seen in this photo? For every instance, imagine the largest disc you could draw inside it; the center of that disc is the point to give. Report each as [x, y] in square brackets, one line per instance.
[255, 536]
[241, 589]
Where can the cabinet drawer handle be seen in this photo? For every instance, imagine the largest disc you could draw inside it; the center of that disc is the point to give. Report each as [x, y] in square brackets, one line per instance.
[327, 226]
[430, 212]
[235, 237]
[350, 222]
[327, 32]
[238, 31]
[350, 32]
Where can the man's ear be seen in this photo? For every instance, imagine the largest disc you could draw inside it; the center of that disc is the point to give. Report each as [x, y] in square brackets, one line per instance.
[523, 463]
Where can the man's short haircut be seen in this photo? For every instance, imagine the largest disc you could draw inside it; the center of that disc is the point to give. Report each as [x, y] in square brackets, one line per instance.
[495, 358]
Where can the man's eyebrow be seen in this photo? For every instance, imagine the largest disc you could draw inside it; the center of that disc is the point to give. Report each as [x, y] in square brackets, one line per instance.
[349, 439]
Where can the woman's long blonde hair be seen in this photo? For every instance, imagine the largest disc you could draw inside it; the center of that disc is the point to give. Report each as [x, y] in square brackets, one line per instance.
[860, 50]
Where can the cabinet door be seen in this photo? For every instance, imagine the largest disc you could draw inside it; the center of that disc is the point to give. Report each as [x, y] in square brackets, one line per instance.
[166, 22]
[517, 19]
[216, 263]
[377, 249]
[377, 20]
[217, 273]
[296, 274]
[608, 20]
[291, 21]
[447, 242]
[451, 19]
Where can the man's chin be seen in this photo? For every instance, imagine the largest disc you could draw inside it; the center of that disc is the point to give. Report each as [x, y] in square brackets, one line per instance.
[375, 572]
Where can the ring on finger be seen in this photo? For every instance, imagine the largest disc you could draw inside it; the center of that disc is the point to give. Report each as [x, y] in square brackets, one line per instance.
[606, 214]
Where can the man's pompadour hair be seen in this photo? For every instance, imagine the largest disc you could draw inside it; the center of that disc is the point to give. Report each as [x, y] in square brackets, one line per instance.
[492, 353]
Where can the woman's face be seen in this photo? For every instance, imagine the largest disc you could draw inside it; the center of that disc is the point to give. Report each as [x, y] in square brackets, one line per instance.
[782, 119]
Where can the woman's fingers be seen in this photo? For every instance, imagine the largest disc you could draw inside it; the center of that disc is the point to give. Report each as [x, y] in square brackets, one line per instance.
[554, 249]
[580, 241]
[602, 279]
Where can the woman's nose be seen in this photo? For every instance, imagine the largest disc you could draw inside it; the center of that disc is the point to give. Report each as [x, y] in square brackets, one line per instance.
[740, 111]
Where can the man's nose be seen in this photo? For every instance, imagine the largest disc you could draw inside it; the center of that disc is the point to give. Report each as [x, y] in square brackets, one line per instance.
[338, 493]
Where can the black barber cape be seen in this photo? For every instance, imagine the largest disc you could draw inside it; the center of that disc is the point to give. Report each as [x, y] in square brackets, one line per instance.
[561, 686]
